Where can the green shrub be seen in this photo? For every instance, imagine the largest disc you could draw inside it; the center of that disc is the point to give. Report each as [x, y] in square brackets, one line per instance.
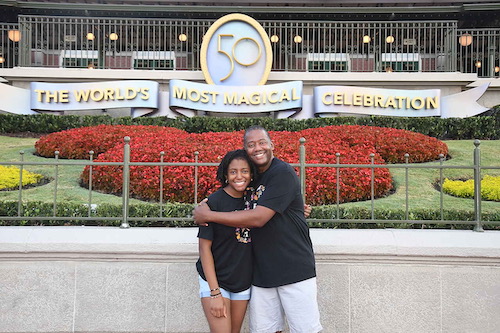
[145, 216]
[433, 216]
[485, 127]
[140, 211]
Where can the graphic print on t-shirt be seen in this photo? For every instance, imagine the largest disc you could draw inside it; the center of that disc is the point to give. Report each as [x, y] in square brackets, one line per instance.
[251, 200]
[243, 235]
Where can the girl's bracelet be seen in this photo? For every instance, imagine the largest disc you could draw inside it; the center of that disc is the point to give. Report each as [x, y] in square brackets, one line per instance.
[214, 289]
[215, 295]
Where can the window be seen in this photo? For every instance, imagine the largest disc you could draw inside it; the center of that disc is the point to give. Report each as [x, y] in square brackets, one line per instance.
[78, 59]
[153, 64]
[327, 66]
[154, 60]
[79, 62]
[401, 62]
[328, 62]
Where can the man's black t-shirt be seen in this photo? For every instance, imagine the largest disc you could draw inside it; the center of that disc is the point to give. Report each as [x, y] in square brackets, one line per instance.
[231, 247]
[282, 249]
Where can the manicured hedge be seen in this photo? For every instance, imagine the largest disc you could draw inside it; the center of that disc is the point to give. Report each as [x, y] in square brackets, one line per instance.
[478, 127]
[432, 215]
[64, 209]
[177, 210]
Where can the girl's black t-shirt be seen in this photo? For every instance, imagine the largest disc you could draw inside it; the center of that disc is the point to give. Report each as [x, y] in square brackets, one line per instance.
[231, 247]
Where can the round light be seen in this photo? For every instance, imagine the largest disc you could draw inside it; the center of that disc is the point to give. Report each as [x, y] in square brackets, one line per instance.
[478, 64]
[497, 69]
[90, 36]
[274, 38]
[465, 40]
[389, 40]
[14, 35]
[366, 39]
[2, 60]
[183, 37]
[113, 36]
[297, 39]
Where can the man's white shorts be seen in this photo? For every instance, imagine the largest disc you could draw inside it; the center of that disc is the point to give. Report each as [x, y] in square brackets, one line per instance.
[297, 301]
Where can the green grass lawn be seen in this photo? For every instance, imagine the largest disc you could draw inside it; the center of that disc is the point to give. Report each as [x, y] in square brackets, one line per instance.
[68, 188]
[422, 193]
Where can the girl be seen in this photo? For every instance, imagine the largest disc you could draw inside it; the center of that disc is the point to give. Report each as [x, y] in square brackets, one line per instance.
[225, 264]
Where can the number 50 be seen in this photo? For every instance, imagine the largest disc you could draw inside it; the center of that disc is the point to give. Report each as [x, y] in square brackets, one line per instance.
[232, 58]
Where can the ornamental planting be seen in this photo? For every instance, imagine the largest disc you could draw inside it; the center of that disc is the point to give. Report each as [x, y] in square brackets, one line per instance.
[353, 143]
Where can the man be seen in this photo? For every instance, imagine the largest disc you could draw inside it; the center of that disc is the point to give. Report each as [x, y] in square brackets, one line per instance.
[284, 282]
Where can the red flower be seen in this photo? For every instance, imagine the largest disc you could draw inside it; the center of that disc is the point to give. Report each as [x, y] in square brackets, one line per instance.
[353, 143]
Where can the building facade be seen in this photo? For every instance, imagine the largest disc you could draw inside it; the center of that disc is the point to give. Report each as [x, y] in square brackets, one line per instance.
[446, 45]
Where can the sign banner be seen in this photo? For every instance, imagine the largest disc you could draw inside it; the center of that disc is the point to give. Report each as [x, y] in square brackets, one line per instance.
[384, 102]
[15, 100]
[396, 102]
[286, 99]
[235, 99]
[463, 105]
[94, 95]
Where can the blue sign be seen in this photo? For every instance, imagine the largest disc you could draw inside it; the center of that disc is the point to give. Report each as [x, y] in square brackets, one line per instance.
[234, 99]
[94, 95]
[384, 102]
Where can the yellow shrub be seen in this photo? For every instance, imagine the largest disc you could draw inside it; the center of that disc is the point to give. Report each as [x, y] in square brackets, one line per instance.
[490, 188]
[9, 177]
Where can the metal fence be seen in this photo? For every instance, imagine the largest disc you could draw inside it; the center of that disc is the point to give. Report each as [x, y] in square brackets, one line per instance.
[9, 45]
[127, 164]
[479, 52]
[303, 46]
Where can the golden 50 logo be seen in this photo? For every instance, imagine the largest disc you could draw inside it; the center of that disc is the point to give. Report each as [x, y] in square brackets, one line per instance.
[236, 51]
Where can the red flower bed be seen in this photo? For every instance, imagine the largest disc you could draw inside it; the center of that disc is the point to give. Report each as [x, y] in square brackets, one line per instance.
[76, 143]
[392, 144]
[354, 143]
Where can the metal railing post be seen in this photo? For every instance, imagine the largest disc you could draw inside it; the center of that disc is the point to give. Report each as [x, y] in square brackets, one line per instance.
[91, 159]
[162, 159]
[126, 182]
[56, 154]
[441, 194]
[477, 186]
[196, 177]
[407, 201]
[372, 185]
[19, 203]
[337, 188]
[302, 161]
